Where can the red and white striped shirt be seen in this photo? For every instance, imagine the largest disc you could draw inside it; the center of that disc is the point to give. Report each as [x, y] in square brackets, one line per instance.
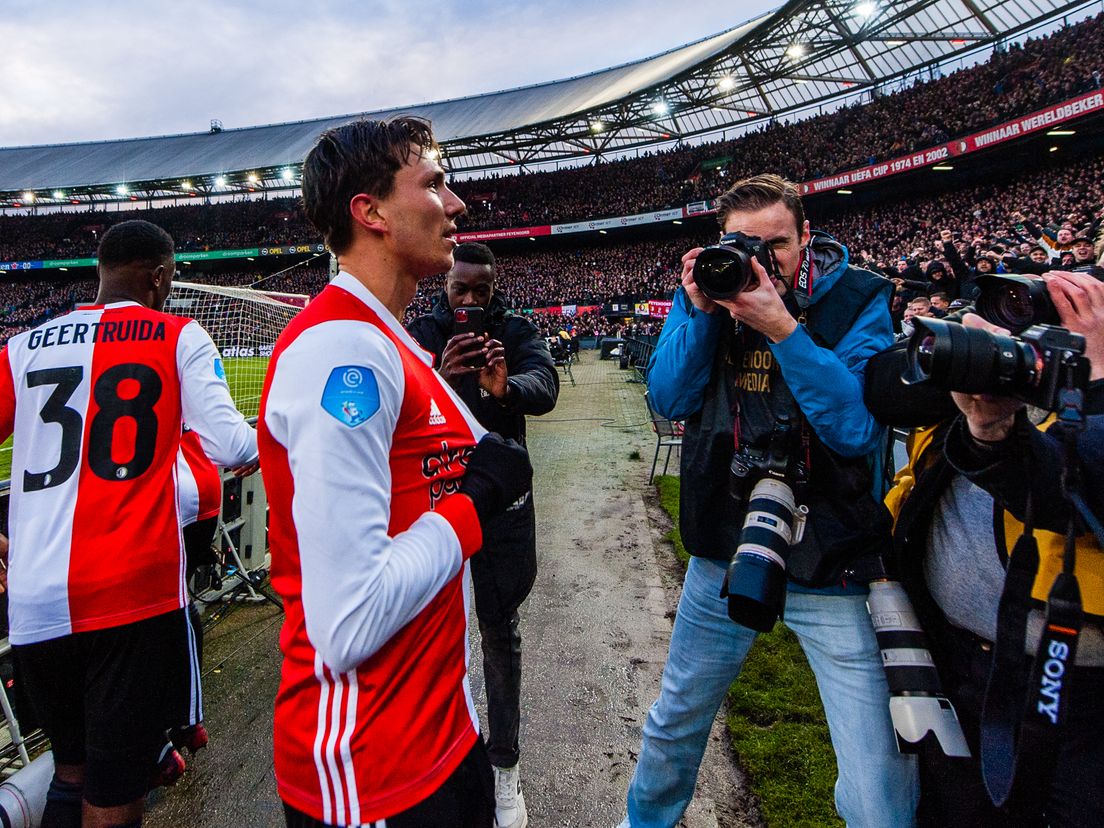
[363, 446]
[96, 399]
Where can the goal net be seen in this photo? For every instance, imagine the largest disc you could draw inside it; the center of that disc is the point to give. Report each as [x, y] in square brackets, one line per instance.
[244, 324]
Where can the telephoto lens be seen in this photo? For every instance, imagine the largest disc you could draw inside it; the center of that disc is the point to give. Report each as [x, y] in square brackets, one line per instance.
[922, 716]
[1015, 302]
[756, 581]
[1033, 367]
[724, 270]
[969, 360]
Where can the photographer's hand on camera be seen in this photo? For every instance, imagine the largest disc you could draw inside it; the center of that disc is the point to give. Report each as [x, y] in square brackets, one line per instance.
[697, 298]
[498, 472]
[1079, 299]
[762, 308]
[460, 351]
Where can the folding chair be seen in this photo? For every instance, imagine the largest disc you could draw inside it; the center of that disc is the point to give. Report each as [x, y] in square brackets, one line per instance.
[562, 356]
[668, 436]
[15, 734]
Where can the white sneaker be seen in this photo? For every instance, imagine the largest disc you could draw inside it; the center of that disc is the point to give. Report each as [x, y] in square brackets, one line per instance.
[509, 802]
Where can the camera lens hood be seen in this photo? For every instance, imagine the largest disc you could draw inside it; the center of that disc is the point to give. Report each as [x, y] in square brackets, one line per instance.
[1015, 302]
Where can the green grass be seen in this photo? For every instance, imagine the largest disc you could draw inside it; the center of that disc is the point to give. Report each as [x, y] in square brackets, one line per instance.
[244, 375]
[775, 718]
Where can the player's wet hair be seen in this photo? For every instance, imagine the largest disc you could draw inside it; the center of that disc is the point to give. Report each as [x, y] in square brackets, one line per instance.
[474, 253]
[134, 241]
[358, 157]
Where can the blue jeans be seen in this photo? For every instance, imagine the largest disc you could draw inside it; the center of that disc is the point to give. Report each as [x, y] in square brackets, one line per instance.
[876, 785]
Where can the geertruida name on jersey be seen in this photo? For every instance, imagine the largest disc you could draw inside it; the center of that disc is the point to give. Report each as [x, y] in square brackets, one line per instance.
[80, 333]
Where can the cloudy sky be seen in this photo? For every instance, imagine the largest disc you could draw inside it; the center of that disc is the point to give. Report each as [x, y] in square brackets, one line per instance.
[76, 70]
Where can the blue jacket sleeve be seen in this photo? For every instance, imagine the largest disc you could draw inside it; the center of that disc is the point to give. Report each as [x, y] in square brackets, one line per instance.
[683, 360]
[828, 385]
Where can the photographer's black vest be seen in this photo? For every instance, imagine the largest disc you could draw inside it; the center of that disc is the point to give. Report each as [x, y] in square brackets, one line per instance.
[846, 523]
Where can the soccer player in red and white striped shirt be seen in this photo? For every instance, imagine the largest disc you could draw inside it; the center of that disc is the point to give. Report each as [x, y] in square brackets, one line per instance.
[379, 479]
[96, 399]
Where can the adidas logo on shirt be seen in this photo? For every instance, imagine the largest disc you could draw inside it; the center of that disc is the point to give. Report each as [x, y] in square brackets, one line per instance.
[436, 418]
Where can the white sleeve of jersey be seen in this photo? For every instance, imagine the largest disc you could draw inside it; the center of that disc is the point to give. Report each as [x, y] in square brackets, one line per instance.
[360, 585]
[205, 400]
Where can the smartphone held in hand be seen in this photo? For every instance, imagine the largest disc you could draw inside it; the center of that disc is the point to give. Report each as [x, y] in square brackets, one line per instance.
[469, 319]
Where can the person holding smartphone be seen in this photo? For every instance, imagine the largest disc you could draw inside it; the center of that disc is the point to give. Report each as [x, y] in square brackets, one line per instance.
[502, 369]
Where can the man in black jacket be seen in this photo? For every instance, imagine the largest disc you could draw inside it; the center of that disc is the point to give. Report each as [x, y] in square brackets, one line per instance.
[515, 377]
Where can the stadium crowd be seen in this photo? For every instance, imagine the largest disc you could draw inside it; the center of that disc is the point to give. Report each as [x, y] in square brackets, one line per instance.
[1014, 81]
[901, 239]
[196, 227]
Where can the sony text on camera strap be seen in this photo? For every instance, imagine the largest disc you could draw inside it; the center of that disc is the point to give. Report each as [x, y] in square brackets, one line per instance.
[1020, 737]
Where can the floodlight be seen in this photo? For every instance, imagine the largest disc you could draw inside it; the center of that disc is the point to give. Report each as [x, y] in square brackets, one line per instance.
[286, 174]
[185, 185]
[220, 181]
[796, 50]
[866, 9]
[28, 196]
[660, 108]
[121, 190]
[58, 195]
[726, 83]
[253, 178]
[597, 126]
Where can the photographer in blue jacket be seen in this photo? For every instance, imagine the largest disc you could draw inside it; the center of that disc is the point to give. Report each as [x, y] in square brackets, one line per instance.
[789, 350]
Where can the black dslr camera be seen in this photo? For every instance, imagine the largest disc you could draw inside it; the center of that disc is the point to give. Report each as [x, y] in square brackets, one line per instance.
[1035, 367]
[756, 581]
[723, 270]
[1015, 302]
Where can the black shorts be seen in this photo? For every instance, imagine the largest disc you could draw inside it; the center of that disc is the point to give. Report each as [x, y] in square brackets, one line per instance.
[465, 800]
[105, 699]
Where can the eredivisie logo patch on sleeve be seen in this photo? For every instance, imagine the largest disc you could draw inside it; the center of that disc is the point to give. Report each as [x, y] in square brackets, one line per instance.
[351, 395]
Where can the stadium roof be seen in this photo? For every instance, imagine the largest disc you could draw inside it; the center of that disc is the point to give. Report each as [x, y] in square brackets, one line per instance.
[804, 52]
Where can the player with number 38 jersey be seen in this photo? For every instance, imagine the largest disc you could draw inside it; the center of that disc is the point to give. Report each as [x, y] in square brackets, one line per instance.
[96, 398]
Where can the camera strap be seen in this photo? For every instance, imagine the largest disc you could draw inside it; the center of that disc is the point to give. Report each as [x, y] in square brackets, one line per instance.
[1021, 742]
[803, 281]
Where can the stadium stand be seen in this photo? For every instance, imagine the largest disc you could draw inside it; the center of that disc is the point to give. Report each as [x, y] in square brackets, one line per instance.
[589, 275]
[1014, 81]
[899, 237]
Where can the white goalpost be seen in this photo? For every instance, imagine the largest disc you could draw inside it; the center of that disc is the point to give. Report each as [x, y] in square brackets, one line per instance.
[244, 325]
